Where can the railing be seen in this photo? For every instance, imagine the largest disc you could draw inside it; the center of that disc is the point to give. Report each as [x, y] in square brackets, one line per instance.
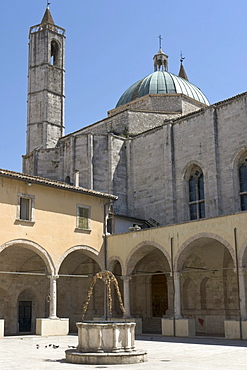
[47, 26]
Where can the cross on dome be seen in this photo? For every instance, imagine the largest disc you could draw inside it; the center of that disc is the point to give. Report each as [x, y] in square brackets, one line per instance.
[160, 59]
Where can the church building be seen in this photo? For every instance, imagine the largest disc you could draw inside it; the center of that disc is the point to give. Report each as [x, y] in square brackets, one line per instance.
[176, 169]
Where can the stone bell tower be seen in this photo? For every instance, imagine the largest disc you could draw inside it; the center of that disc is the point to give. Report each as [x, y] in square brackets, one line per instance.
[46, 74]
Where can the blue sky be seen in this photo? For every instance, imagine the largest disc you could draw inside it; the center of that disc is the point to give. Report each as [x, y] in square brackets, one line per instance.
[109, 46]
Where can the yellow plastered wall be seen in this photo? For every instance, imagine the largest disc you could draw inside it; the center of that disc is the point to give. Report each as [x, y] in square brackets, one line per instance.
[54, 226]
[220, 229]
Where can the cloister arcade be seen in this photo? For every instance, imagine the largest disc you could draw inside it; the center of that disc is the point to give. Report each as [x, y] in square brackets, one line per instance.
[200, 279]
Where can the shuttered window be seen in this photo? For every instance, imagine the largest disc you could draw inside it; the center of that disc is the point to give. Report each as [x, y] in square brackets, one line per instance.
[25, 209]
[83, 214]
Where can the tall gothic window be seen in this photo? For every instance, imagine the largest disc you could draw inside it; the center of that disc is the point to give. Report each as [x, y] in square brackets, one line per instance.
[196, 195]
[243, 185]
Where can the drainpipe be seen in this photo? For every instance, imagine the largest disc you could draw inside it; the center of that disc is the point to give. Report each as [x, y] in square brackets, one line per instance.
[239, 302]
[173, 282]
[106, 210]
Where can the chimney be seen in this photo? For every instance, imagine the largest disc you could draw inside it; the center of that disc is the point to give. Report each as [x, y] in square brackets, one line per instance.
[76, 178]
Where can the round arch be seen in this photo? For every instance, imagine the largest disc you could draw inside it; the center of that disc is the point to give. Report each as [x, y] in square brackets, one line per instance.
[36, 248]
[114, 259]
[136, 253]
[89, 251]
[27, 288]
[188, 246]
[242, 256]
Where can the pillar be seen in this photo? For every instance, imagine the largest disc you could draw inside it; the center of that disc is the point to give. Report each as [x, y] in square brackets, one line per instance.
[177, 295]
[53, 296]
[126, 293]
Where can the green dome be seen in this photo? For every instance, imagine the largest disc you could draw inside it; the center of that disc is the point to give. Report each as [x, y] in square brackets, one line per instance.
[162, 82]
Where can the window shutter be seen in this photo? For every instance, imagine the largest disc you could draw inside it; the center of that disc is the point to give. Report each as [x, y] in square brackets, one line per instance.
[25, 209]
[83, 218]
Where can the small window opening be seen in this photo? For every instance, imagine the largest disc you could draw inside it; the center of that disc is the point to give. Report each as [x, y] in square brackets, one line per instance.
[109, 226]
[67, 180]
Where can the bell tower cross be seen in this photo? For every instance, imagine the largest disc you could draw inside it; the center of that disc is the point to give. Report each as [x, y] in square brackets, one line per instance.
[46, 75]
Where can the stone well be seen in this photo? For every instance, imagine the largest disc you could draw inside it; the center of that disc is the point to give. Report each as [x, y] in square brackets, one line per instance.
[106, 343]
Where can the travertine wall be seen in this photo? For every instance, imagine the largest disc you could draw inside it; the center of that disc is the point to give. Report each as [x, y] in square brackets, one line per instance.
[160, 103]
[213, 139]
[45, 89]
[148, 170]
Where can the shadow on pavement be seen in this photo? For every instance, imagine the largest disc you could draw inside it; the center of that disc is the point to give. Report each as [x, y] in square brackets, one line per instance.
[195, 340]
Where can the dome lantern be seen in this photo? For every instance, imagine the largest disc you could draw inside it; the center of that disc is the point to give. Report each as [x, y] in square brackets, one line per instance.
[160, 59]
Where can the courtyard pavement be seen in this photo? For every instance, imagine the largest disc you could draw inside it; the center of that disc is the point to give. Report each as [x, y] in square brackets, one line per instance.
[38, 353]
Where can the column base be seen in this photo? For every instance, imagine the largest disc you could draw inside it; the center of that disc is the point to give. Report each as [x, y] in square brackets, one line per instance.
[1, 328]
[48, 327]
[232, 329]
[138, 321]
[181, 327]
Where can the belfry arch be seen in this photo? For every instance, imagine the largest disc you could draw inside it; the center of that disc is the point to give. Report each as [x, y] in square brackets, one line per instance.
[55, 49]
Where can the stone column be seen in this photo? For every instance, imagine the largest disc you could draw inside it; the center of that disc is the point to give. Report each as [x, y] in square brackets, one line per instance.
[242, 293]
[126, 291]
[177, 297]
[53, 296]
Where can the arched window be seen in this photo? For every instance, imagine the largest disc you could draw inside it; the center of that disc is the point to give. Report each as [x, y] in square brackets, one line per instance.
[54, 53]
[196, 194]
[243, 185]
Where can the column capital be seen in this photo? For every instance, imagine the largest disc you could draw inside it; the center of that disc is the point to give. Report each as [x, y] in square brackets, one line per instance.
[125, 277]
[53, 277]
[241, 270]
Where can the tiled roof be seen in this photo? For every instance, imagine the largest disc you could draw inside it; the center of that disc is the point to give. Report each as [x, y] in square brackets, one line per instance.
[53, 183]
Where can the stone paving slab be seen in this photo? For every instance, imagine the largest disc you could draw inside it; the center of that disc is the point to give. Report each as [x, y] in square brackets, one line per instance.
[38, 353]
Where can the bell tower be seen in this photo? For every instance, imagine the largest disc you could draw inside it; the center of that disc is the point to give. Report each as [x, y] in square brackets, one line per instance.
[46, 74]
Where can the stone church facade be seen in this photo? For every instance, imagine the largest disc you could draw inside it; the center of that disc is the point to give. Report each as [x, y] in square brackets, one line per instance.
[146, 150]
[178, 166]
